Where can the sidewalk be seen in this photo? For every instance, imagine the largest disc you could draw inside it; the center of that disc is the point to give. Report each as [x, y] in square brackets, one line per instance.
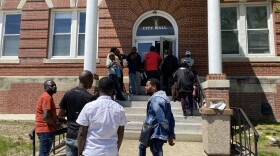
[130, 147]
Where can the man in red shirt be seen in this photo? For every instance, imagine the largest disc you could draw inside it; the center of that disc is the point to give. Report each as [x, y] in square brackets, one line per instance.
[151, 63]
[45, 122]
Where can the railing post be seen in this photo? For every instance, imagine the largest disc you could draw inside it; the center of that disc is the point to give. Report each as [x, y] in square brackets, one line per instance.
[34, 143]
[256, 138]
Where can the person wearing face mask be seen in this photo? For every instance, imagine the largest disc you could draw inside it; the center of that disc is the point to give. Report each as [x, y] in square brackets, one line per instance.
[45, 121]
[188, 58]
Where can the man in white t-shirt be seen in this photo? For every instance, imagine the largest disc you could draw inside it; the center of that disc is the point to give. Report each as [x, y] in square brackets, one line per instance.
[101, 124]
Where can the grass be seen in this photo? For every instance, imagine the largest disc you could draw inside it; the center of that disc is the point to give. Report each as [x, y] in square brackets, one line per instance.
[268, 129]
[14, 139]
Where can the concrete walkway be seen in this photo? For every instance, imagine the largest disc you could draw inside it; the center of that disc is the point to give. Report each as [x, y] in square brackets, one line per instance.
[130, 147]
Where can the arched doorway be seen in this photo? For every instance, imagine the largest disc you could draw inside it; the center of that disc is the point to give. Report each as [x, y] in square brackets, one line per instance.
[155, 28]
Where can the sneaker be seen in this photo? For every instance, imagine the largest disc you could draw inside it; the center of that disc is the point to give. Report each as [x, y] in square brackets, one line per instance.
[185, 113]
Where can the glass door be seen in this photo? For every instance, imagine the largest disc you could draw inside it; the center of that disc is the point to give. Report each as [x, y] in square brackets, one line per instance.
[165, 45]
[143, 47]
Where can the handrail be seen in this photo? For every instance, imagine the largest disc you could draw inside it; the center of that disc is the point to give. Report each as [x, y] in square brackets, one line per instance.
[61, 141]
[241, 127]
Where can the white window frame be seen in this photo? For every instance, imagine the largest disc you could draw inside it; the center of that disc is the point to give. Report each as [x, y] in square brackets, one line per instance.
[5, 59]
[74, 35]
[242, 29]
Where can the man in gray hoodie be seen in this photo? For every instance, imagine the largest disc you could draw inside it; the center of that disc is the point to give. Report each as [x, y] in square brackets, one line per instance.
[160, 116]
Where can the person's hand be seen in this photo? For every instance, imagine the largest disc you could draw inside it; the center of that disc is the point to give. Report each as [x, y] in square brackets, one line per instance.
[170, 141]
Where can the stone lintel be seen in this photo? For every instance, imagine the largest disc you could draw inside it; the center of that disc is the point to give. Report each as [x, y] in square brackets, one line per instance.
[216, 84]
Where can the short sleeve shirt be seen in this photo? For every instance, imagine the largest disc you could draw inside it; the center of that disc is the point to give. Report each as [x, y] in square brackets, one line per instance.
[152, 60]
[103, 118]
[73, 102]
[45, 102]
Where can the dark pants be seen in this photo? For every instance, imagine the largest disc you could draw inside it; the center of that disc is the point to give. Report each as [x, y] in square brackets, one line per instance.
[168, 83]
[186, 101]
[116, 85]
[152, 74]
[46, 141]
[155, 147]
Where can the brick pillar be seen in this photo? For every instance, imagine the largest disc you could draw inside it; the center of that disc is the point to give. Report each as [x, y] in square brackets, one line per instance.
[216, 123]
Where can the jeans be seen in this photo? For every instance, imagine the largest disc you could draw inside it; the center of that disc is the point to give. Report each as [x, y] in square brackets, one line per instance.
[132, 88]
[46, 141]
[116, 85]
[71, 147]
[155, 147]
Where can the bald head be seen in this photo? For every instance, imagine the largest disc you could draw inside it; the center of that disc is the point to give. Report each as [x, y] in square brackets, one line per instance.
[86, 79]
[50, 86]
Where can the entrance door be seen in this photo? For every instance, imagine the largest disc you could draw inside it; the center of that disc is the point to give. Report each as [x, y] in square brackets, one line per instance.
[143, 47]
[166, 44]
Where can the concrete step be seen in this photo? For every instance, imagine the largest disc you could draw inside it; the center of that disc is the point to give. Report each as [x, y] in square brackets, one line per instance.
[195, 127]
[178, 118]
[188, 136]
[142, 110]
[127, 103]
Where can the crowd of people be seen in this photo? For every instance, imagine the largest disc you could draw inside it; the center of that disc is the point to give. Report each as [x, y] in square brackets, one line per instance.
[95, 122]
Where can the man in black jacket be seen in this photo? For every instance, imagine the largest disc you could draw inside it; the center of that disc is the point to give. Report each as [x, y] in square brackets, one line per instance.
[71, 105]
[169, 66]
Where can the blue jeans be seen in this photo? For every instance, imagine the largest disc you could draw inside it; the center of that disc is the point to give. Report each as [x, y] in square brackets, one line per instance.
[116, 85]
[155, 147]
[46, 141]
[71, 147]
[132, 81]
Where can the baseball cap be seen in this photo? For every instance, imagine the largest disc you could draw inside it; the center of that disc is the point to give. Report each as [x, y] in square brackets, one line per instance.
[188, 52]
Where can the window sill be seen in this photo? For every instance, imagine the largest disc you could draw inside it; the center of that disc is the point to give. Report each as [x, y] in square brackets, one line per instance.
[67, 60]
[252, 59]
[9, 61]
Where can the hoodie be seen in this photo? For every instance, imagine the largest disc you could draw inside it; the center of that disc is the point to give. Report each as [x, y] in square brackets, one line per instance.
[159, 114]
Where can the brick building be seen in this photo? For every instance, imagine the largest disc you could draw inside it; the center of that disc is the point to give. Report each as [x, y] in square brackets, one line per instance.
[43, 39]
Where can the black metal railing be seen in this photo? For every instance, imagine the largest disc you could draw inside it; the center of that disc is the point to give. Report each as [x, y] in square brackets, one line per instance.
[244, 136]
[59, 140]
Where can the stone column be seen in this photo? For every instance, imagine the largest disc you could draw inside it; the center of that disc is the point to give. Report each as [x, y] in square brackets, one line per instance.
[215, 123]
[91, 36]
[214, 37]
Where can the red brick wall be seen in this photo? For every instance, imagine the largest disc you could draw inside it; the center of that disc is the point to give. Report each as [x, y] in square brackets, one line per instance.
[117, 18]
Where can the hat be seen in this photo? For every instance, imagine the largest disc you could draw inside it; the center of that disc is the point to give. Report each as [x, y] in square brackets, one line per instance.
[188, 52]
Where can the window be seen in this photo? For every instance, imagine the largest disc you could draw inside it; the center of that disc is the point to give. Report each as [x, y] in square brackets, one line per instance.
[68, 34]
[245, 30]
[10, 38]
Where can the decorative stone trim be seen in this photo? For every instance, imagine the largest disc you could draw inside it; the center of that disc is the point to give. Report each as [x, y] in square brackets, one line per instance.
[73, 3]
[216, 84]
[21, 4]
[49, 3]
